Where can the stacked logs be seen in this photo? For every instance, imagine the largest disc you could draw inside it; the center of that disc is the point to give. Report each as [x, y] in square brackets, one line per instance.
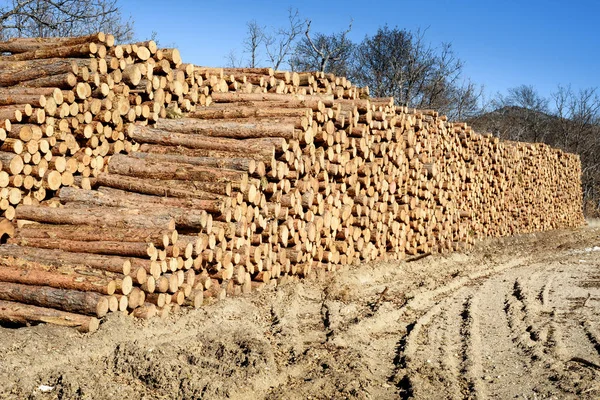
[233, 179]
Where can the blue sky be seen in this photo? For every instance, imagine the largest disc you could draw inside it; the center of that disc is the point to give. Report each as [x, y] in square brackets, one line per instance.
[503, 43]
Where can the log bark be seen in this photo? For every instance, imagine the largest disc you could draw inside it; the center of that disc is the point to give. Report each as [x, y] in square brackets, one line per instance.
[24, 314]
[125, 249]
[96, 216]
[184, 151]
[131, 166]
[61, 81]
[236, 163]
[168, 188]
[27, 272]
[88, 303]
[120, 198]
[77, 50]
[158, 237]
[58, 257]
[23, 45]
[266, 146]
[226, 129]
[32, 70]
[239, 112]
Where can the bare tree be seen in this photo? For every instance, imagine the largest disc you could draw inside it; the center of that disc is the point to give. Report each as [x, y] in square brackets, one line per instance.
[280, 43]
[232, 60]
[401, 64]
[325, 53]
[255, 37]
[47, 18]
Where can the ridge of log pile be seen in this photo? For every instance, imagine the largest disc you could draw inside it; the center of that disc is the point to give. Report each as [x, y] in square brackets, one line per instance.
[132, 182]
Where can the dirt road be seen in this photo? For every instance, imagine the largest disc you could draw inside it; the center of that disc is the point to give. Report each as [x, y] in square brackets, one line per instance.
[513, 318]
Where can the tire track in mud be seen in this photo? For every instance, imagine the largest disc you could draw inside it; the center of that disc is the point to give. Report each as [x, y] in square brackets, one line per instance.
[419, 313]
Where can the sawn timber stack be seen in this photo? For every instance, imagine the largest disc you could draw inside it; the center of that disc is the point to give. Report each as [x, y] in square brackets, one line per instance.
[137, 183]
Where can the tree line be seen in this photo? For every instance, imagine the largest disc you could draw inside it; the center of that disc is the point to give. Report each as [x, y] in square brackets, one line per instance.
[391, 62]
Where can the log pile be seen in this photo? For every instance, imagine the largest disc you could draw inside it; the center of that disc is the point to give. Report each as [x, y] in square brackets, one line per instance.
[139, 183]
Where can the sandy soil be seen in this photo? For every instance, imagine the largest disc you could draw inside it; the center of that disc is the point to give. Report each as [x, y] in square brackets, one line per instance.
[513, 318]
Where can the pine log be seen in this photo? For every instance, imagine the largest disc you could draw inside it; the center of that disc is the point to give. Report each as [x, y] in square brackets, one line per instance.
[89, 303]
[265, 146]
[225, 129]
[158, 237]
[184, 151]
[236, 163]
[20, 270]
[96, 216]
[76, 50]
[33, 70]
[131, 166]
[120, 198]
[24, 314]
[258, 97]
[23, 45]
[112, 264]
[168, 188]
[239, 112]
[61, 81]
[131, 249]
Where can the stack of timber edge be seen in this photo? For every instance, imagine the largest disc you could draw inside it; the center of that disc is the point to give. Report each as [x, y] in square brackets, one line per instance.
[134, 183]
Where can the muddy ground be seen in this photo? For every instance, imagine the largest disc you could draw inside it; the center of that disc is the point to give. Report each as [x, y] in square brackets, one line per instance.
[513, 318]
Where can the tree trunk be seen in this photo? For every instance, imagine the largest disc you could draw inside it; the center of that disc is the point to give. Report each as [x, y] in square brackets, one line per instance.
[238, 163]
[265, 146]
[113, 264]
[96, 216]
[158, 237]
[225, 129]
[265, 157]
[20, 270]
[23, 45]
[63, 81]
[120, 198]
[124, 249]
[131, 166]
[89, 303]
[77, 50]
[239, 112]
[167, 188]
[24, 313]
[27, 71]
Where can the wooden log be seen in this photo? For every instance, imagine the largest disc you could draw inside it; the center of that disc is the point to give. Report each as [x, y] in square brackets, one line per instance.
[158, 237]
[204, 153]
[120, 198]
[77, 50]
[113, 264]
[61, 81]
[21, 270]
[34, 70]
[25, 313]
[233, 163]
[96, 216]
[242, 97]
[22, 45]
[229, 129]
[241, 111]
[141, 168]
[89, 303]
[167, 188]
[156, 136]
[131, 249]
